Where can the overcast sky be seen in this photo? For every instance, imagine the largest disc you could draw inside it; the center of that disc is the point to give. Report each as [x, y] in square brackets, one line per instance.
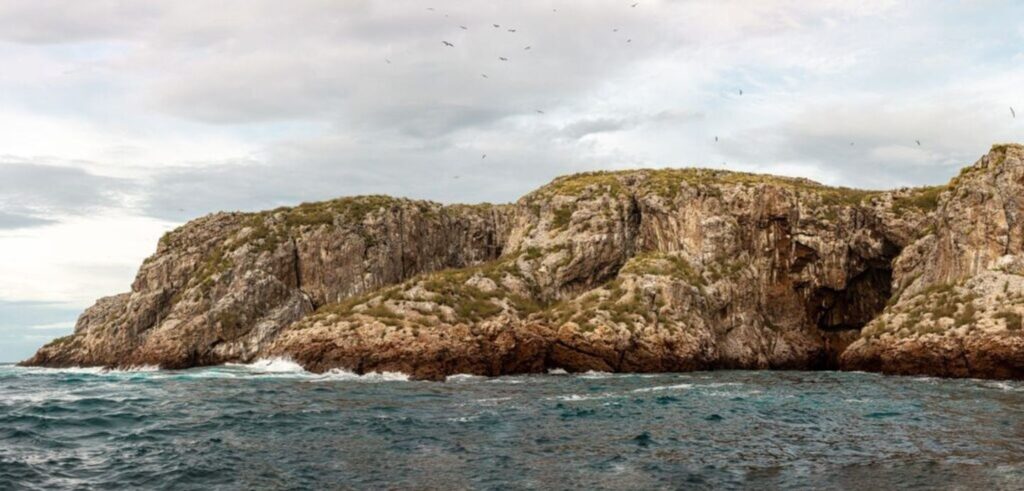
[120, 120]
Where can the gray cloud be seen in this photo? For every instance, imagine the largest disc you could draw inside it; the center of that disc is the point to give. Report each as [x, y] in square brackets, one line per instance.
[15, 221]
[49, 22]
[381, 106]
[30, 194]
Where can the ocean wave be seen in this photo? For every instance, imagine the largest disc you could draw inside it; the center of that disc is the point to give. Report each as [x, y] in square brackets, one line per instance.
[578, 397]
[338, 374]
[99, 371]
[658, 388]
[463, 377]
[277, 367]
[270, 365]
[1002, 385]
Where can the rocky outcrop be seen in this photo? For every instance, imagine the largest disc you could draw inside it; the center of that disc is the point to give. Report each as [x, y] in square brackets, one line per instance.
[220, 288]
[648, 270]
[960, 287]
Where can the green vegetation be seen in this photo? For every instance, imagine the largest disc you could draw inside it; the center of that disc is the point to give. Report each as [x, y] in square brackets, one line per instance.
[562, 217]
[214, 264]
[60, 341]
[924, 199]
[1013, 320]
[921, 313]
[668, 183]
[352, 210]
[447, 288]
[611, 303]
[663, 264]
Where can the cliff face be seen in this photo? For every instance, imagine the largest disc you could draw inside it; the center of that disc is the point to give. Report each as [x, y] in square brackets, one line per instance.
[220, 288]
[960, 288]
[651, 270]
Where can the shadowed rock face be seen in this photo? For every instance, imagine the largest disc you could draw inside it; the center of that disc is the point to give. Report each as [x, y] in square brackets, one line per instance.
[651, 270]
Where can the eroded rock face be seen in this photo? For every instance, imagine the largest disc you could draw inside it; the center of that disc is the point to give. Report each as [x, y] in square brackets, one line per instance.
[220, 288]
[653, 270]
[960, 290]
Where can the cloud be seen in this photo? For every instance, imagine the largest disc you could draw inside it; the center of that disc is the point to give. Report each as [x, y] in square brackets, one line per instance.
[14, 221]
[30, 193]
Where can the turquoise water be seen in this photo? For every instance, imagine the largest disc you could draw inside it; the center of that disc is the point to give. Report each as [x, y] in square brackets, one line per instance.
[272, 426]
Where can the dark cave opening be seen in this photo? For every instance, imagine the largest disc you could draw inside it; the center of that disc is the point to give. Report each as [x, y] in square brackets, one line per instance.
[840, 314]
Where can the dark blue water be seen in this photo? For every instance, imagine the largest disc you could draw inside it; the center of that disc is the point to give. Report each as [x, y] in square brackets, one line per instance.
[270, 426]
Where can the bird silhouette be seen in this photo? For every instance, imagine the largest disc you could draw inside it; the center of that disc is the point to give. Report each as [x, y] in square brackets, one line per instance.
[511, 30]
[1013, 113]
[526, 48]
[464, 28]
[716, 138]
[496, 25]
[484, 75]
[502, 58]
[918, 142]
[851, 144]
[387, 60]
[430, 9]
[634, 5]
[484, 156]
[540, 112]
[615, 30]
[450, 45]
[741, 91]
[630, 40]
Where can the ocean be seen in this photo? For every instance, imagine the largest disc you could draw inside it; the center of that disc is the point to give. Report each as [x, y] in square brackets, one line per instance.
[270, 425]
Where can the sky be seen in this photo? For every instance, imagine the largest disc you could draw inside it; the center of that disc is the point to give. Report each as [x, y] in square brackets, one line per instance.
[120, 120]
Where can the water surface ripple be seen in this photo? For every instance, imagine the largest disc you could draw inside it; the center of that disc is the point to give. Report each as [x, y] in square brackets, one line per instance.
[272, 426]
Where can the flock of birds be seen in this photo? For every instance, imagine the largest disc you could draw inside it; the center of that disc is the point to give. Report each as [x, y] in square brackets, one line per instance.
[448, 44]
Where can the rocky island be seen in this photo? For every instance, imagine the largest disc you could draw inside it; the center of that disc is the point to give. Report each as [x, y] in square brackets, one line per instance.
[628, 271]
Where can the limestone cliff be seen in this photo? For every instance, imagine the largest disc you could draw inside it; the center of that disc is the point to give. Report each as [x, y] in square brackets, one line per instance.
[960, 288]
[648, 270]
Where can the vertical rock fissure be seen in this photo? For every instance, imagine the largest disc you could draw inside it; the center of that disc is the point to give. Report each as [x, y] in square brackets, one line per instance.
[296, 265]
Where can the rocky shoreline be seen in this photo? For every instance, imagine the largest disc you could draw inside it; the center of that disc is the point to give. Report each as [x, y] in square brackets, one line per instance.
[630, 271]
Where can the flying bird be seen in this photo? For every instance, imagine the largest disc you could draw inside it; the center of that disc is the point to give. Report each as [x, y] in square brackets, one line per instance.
[511, 30]
[526, 48]
[464, 28]
[430, 9]
[540, 112]
[496, 25]
[630, 40]
[634, 5]
[716, 138]
[615, 30]
[484, 75]
[387, 60]
[1013, 113]
[741, 91]
[484, 156]
[450, 45]
[918, 142]
[502, 58]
